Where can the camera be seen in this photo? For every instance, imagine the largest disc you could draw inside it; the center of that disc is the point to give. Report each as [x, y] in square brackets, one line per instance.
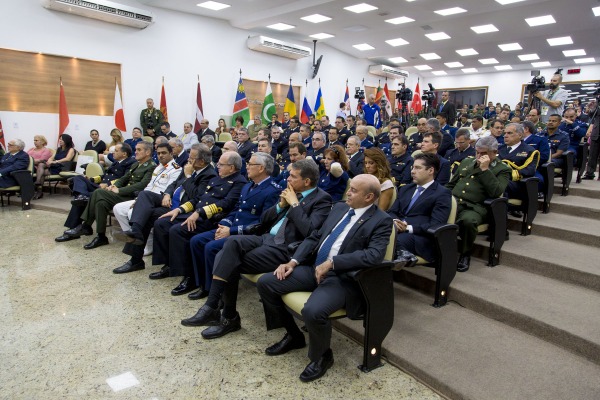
[429, 95]
[359, 93]
[403, 94]
[537, 83]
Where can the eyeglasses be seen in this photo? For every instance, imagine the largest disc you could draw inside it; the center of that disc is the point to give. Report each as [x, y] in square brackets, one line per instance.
[219, 165]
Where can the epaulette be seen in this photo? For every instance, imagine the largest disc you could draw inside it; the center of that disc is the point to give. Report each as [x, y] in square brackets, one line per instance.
[175, 165]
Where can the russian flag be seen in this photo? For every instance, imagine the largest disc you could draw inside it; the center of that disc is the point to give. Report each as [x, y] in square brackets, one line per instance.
[306, 111]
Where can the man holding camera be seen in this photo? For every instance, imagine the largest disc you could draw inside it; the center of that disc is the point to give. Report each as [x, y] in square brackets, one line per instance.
[554, 99]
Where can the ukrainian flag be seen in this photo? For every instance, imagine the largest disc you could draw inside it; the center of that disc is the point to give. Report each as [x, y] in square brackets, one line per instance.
[290, 103]
[319, 105]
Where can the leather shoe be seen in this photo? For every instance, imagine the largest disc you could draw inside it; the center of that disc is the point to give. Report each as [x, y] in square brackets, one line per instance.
[463, 263]
[284, 345]
[205, 316]
[163, 273]
[317, 369]
[96, 242]
[186, 286]
[65, 238]
[198, 294]
[588, 177]
[129, 237]
[224, 327]
[516, 214]
[79, 230]
[80, 201]
[129, 267]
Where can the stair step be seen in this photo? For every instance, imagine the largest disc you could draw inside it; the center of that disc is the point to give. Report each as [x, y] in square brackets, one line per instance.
[585, 188]
[570, 228]
[576, 205]
[465, 355]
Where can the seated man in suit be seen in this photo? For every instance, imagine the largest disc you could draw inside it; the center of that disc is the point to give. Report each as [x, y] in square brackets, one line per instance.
[430, 144]
[356, 158]
[421, 205]
[354, 236]
[462, 149]
[400, 161]
[475, 180]
[519, 156]
[14, 160]
[180, 156]
[433, 125]
[362, 132]
[215, 150]
[245, 145]
[302, 208]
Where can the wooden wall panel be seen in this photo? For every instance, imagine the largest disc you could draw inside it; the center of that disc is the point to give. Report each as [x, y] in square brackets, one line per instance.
[30, 82]
[255, 92]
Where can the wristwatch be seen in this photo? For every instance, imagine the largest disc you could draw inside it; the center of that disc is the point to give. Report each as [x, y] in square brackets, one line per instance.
[296, 204]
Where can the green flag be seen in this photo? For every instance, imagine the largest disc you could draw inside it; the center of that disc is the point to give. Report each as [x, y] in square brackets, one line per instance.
[268, 109]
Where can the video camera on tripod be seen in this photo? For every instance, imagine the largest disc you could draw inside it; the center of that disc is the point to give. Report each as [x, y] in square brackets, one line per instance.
[537, 83]
[403, 95]
[359, 93]
[429, 95]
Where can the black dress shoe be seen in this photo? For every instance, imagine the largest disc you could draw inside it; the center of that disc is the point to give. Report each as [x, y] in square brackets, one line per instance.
[205, 316]
[198, 294]
[588, 177]
[96, 242]
[129, 237]
[80, 201]
[225, 326]
[129, 267]
[286, 344]
[80, 230]
[516, 214]
[317, 369]
[162, 274]
[65, 238]
[186, 286]
[463, 263]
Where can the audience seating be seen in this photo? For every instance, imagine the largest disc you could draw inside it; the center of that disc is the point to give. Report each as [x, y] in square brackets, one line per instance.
[495, 228]
[81, 158]
[410, 131]
[25, 187]
[372, 131]
[582, 156]
[69, 167]
[528, 205]
[547, 171]
[224, 137]
[94, 169]
[566, 172]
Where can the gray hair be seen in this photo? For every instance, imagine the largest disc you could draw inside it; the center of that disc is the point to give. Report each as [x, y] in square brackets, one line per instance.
[465, 132]
[146, 145]
[434, 123]
[322, 135]
[308, 170]
[234, 159]
[518, 127]
[176, 142]
[266, 160]
[208, 138]
[529, 125]
[362, 129]
[355, 139]
[242, 130]
[19, 143]
[488, 142]
[161, 139]
[204, 152]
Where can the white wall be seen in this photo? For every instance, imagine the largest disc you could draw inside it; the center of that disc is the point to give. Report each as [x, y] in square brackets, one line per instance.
[179, 47]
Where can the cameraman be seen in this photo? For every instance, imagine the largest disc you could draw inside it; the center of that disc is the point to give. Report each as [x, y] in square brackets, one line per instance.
[554, 99]
[372, 112]
[594, 137]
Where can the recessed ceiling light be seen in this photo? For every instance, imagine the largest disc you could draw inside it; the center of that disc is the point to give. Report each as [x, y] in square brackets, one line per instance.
[316, 18]
[213, 5]
[502, 67]
[574, 53]
[450, 11]
[510, 46]
[584, 60]
[396, 42]
[529, 57]
[430, 56]
[437, 36]
[488, 61]
[439, 72]
[469, 70]
[360, 8]
[363, 46]
[541, 64]
[596, 11]
[543, 20]
[398, 60]
[454, 64]
[281, 27]
[467, 52]
[559, 41]
[321, 36]
[399, 20]
[505, 2]
[484, 28]
[423, 67]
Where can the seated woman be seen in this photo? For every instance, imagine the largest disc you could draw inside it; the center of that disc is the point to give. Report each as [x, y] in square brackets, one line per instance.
[334, 178]
[61, 161]
[95, 144]
[222, 127]
[107, 159]
[40, 154]
[376, 164]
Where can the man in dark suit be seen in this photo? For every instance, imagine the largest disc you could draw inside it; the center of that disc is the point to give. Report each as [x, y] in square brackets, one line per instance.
[356, 159]
[447, 141]
[215, 150]
[354, 236]
[447, 108]
[14, 160]
[180, 156]
[519, 156]
[400, 161]
[204, 130]
[420, 205]
[245, 146]
[302, 208]
[461, 150]
[430, 144]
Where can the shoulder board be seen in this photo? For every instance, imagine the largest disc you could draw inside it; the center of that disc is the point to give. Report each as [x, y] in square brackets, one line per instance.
[230, 182]
[176, 166]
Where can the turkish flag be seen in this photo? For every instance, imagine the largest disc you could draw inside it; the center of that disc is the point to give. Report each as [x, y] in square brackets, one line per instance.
[416, 102]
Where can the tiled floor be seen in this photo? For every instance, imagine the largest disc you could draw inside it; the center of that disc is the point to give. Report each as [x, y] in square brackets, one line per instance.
[68, 325]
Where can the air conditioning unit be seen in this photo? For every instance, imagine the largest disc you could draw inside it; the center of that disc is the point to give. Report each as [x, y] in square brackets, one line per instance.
[388, 72]
[104, 11]
[278, 47]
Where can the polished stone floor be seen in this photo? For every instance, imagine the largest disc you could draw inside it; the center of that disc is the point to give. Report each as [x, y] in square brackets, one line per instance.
[70, 328]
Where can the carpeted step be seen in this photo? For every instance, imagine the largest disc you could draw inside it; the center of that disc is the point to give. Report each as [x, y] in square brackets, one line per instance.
[560, 226]
[580, 206]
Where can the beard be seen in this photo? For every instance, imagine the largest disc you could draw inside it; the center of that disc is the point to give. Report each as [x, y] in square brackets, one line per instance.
[552, 86]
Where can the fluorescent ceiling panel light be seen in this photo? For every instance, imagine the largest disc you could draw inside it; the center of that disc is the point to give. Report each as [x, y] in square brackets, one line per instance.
[488, 61]
[423, 67]
[321, 36]
[503, 67]
[439, 73]
[529, 57]
[396, 42]
[450, 11]
[584, 60]
[454, 64]
[596, 11]
[316, 18]
[469, 70]
[541, 64]
[213, 5]
[505, 2]
[430, 56]
[467, 52]
[543, 20]
[574, 53]
[437, 36]
[484, 29]
[510, 46]
[281, 27]
[363, 46]
[399, 20]
[360, 8]
[398, 60]
[559, 41]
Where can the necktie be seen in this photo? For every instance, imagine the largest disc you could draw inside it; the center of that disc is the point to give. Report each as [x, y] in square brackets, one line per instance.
[415, 197]
[441, 106]
[194, 175]
[280, 235]
[335, 233]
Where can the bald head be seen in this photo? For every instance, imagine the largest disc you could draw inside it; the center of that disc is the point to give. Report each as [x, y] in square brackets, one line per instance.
[364, 190]
[230, 146]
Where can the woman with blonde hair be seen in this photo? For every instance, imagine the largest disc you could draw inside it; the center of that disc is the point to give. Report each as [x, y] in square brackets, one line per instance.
[333, 167]
[106, 159]
[40, 154]
[376, 164]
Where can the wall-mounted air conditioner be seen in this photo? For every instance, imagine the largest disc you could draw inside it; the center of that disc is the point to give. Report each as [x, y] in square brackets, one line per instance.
[104, 11]
[278, 47]
[389, 72]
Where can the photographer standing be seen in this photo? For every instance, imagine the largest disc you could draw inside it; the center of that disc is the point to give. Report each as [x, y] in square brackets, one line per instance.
[553, 100]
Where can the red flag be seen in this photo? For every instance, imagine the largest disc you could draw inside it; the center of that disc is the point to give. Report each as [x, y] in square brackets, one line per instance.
[416, 102]
[63, 114]
[199, 110]
[2, 142]
[388, 102]
[118, 110]
[163, 102]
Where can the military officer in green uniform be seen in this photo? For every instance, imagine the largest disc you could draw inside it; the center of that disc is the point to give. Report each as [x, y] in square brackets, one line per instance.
[123, 189]
[475, 180]
[534, 117]
[151, 118]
